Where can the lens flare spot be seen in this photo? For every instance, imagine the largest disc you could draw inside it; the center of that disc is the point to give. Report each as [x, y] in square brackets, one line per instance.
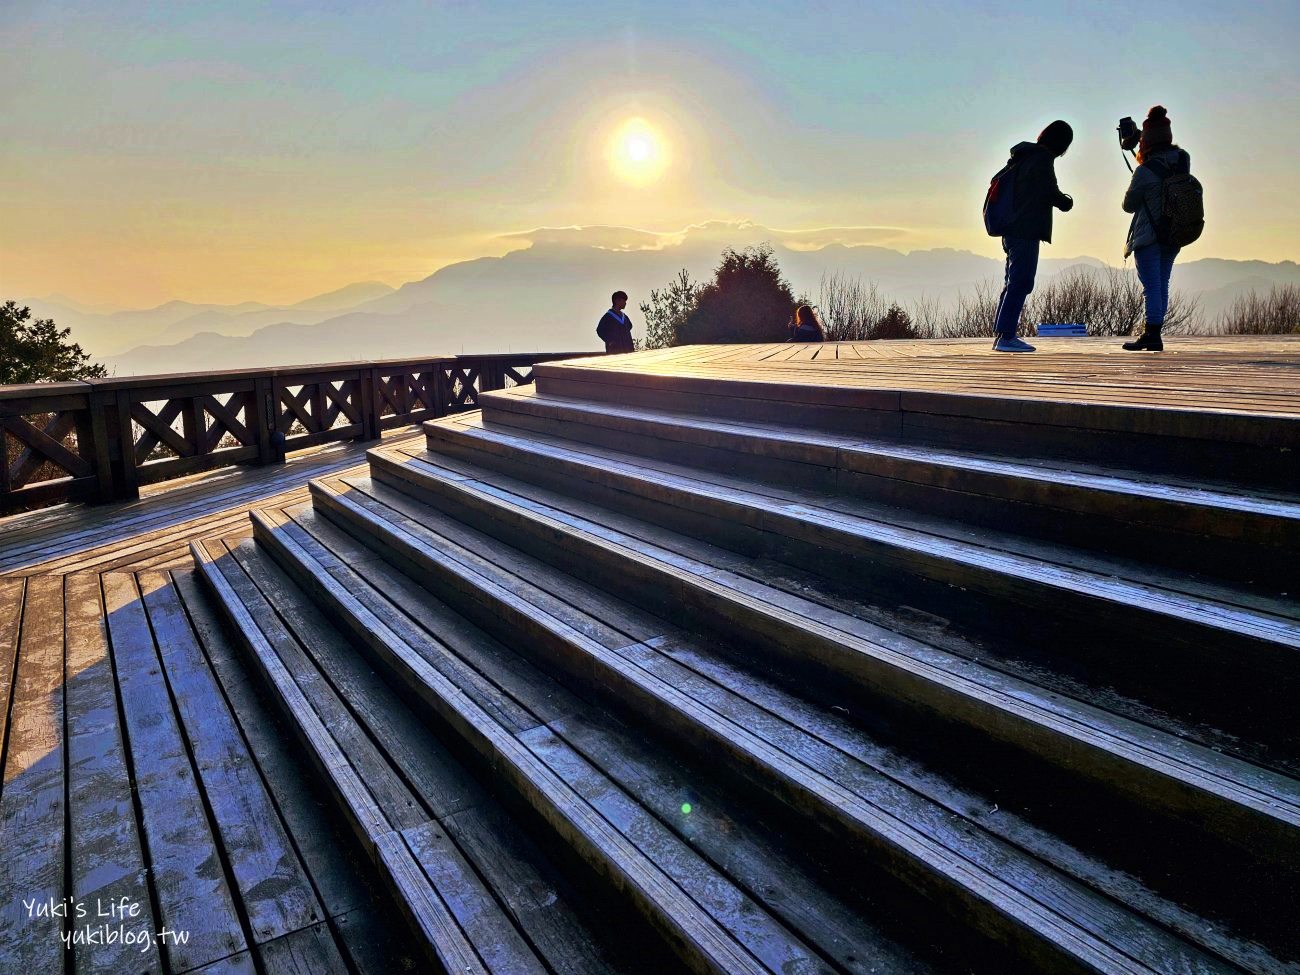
[686, 808]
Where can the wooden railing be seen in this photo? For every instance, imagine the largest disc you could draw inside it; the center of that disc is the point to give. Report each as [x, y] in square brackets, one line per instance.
[102, 439]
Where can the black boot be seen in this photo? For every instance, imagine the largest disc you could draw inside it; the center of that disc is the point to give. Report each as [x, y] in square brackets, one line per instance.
[1148, 341]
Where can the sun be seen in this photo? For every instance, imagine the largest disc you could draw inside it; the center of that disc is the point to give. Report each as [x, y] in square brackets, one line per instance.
[637, 152]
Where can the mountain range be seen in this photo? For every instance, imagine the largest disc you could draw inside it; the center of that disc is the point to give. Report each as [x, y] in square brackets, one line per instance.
[548, 295]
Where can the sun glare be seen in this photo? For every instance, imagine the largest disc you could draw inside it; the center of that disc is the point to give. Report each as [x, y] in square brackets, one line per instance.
[637, 152]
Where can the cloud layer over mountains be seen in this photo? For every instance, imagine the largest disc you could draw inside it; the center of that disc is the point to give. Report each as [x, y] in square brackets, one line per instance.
[548, 295]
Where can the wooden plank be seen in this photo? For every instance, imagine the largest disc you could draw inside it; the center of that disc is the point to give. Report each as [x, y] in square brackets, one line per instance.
[441, 784]
[75, 528]
[146, 516]
[190, 881]
[943, 549]
[12, 592]
[107, 861]
[33, 911]
[307, 951]
[387, 797]
[1043, 907]
[530, 688]
[701, 941]
[499, 943]
[337, 877]
[422, 907]
[1181, 780]
[454, 795]
[270, 881]
[240, 963]
[368, 938]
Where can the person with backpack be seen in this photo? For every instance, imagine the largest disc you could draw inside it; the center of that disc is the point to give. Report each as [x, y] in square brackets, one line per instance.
[1018, 209]
[615, 326]
[1165, 201]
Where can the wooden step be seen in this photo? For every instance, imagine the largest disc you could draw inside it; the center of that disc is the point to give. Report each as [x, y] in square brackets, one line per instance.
[1205, 649]
[734, 867]
[1198, 526]
[908, 839]
[711, 925]
[1242, 804]
[1262, 449]
[478, 894]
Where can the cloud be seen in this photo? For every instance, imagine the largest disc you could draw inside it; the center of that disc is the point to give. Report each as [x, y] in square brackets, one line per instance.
[726, 232]
[815, 240]
[602, 238]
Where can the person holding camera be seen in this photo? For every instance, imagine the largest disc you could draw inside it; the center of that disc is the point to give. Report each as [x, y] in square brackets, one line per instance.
[804, 326]
[1158, 159]
[1035, 195]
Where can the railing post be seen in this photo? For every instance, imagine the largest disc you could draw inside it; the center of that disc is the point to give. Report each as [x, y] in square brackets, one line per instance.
[273, 420]
[126, 479]
[366, 396]
[193, 427]
[261, 416]
[490, 376]
[95, 447]
[441, 389]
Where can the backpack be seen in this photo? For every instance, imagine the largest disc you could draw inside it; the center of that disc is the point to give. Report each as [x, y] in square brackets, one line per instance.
[1182, 216]
[1000, 200]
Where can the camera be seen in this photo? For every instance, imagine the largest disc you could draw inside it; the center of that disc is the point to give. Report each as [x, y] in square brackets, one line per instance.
[1129, 133]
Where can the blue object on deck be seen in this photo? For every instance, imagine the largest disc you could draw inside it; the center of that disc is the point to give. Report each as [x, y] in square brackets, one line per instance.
[1046, 330]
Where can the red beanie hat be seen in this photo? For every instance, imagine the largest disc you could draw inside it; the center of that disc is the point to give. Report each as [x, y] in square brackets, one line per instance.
[1156, 133]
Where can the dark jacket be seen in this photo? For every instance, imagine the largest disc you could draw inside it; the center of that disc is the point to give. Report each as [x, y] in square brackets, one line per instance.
[1145, 197]
[1036, 193]
[616, 335]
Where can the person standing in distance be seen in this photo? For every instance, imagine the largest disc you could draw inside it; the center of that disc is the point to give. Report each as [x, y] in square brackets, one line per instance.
[615, 327]
[1158, 158]
[1036, 193]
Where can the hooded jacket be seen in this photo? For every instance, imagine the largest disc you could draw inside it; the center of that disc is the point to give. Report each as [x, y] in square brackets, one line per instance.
[1036, 193]
[1145, 197]
[616, 332]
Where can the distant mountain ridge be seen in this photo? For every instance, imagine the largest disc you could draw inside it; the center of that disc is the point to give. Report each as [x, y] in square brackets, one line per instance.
[107, 332]
[549, 295]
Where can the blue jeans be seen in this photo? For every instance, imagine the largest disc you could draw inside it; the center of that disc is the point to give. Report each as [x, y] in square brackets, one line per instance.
[1155, 262]
[1022, 267]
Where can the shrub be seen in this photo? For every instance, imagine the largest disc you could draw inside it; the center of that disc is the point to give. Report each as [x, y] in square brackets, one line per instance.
[748, 300]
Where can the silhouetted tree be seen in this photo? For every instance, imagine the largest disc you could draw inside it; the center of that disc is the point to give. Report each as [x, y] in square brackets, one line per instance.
[850, 307]
[668, 308]
[748, 300]
[39, 351]
[894, 324]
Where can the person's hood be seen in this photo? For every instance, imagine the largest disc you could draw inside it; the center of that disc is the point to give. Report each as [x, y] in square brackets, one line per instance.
[1024, 148]
[1169, 156]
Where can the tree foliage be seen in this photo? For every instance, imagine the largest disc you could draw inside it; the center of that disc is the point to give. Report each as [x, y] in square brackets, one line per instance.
[39, 351]
[748, 300]
[894, 324]
[668, 308]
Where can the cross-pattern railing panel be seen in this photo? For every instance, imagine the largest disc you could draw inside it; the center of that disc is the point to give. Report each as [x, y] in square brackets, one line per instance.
[182, 428]
[409, 394]
[103, 438]
[318, 406]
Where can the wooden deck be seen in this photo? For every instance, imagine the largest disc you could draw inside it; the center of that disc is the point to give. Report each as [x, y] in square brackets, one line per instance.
[154, 532]
[447, 707]
[1248, 374]
[143, 769]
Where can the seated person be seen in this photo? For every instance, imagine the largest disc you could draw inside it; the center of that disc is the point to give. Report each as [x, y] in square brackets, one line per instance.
[805, 327]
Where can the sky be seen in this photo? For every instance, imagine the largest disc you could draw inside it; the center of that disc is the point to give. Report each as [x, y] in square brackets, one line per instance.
[231, 151]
